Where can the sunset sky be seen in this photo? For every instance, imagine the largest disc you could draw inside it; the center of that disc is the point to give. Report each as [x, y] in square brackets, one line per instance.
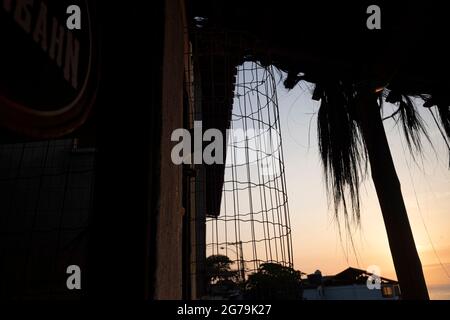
[425, 185]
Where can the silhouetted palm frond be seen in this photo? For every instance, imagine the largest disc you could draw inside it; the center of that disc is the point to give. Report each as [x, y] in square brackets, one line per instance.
[410, 120]
[444, 114]
[442, 104]
[341, 150]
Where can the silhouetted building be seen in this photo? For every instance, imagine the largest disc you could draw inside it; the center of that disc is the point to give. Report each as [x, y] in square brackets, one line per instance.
[350, 284]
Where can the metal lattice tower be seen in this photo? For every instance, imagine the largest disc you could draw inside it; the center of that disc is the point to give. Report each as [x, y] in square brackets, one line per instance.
[254, 224]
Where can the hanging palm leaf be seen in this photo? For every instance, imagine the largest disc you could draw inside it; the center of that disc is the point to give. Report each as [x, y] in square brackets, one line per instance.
[443, 107]
[340, 146]
[410, 120]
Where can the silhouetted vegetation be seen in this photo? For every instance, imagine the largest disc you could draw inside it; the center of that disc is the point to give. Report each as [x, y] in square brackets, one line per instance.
[218, 268]
[274, 281]
[220, 278]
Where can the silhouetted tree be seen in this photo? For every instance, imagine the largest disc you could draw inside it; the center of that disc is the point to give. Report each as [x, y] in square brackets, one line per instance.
[351, 131]
[275, 282]
[350, 123]
[218, 268]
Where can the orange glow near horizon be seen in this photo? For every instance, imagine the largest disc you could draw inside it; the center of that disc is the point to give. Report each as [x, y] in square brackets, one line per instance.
[425, 182]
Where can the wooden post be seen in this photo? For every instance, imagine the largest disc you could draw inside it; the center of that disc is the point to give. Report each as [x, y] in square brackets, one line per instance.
[122, 231]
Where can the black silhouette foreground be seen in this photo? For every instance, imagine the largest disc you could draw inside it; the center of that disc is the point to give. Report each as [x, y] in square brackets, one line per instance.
[354, 70]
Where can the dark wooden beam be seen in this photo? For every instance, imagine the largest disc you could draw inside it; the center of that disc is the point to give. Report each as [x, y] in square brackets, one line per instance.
[121, 262]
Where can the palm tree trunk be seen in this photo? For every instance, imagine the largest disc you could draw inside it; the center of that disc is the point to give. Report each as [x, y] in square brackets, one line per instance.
[401, 242]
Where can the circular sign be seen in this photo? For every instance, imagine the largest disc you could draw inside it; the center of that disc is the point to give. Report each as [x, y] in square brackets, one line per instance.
[48, 72]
